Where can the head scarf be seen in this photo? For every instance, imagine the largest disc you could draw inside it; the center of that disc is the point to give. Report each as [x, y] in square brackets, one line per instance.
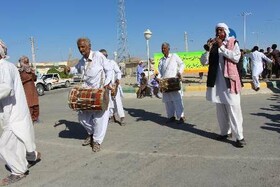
[3, 49]
[25, 67]
[226, 29]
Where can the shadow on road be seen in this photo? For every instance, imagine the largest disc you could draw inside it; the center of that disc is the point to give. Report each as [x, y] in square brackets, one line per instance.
[274, 118]
[142, 115]
[72, 130]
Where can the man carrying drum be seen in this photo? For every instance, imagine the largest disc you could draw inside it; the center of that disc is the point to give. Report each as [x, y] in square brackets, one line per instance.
[171, 67]
[96, 74]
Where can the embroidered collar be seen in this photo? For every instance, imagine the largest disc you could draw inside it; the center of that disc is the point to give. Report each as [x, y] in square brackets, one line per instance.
[90, 57]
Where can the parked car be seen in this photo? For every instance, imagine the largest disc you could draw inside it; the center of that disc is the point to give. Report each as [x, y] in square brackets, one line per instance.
[54, 80]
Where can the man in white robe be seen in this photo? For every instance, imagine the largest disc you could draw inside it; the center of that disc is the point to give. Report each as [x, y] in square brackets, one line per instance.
[257, 59]
[96, 74]
[228, 107]
[117, 108]
[170, 65]
[17, 146]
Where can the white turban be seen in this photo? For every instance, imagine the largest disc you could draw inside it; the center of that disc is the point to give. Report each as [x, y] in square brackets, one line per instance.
[226, 29]
[3, 49]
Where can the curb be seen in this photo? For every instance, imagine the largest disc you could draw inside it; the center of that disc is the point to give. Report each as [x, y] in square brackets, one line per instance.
[200, 89]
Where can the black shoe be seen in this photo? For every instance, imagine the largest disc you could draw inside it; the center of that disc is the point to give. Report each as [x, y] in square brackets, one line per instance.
[171, 120]
[88, 140]
[182, 120]
[240, 143]
[223, 137]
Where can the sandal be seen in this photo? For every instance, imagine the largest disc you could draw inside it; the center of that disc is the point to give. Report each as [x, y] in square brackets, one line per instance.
[95, 147]
[32, 163]
[12, 179]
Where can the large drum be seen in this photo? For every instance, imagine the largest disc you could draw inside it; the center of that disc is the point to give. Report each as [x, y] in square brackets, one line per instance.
[170, 84]
[88, 99]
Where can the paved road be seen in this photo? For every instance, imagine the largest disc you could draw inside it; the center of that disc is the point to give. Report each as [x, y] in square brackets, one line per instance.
[146, 153]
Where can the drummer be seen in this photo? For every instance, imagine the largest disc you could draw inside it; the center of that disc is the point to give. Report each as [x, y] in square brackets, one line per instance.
[96, 73]
[170, 65]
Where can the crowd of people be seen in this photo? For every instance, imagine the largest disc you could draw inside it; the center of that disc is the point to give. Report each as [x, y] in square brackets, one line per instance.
[258, 63]
[224, 83]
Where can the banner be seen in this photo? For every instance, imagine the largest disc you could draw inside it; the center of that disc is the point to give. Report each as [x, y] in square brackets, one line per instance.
[190, 59]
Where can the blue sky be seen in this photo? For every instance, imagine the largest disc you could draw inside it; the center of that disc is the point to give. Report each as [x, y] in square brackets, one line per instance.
[56, 24]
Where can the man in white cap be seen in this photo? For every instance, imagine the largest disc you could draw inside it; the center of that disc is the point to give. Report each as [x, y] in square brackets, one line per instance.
[224, 84]
[171, 66]
[96, 74]
[17, 146]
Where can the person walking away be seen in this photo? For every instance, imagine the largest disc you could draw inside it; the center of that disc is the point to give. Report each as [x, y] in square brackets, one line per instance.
[224, 85]
[17, 142]
[171, 66]
[28, 77]
[257, 59]
[94, 68]
[117, 108]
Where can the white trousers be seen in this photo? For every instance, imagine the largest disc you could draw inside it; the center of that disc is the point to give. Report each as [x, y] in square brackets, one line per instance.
[256, 81]
[230, 119]
[95, 123]
[13, 152]
[174, 108]
[118, 106]
[257, 71]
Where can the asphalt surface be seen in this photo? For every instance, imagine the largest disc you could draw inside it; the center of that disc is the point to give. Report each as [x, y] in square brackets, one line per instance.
[146, 152]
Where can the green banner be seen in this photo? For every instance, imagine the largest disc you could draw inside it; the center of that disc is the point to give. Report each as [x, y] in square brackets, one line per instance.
[190, 59]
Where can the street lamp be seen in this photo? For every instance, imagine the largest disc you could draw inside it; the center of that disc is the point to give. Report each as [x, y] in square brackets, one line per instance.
[148, 35]
[244, 14]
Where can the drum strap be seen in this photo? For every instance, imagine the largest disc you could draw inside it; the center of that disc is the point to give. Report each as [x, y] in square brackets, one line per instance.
[86, 68]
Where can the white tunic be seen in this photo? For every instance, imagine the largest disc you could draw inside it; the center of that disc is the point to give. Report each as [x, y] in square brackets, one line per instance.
[117, 106]
[116, 75]
[169, 67]
[14, 109]
[257, 59]
[220, 93]
[96, 72]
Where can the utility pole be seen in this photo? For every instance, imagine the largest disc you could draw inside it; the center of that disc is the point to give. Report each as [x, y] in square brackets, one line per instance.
[33, 51]
[186, 42]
